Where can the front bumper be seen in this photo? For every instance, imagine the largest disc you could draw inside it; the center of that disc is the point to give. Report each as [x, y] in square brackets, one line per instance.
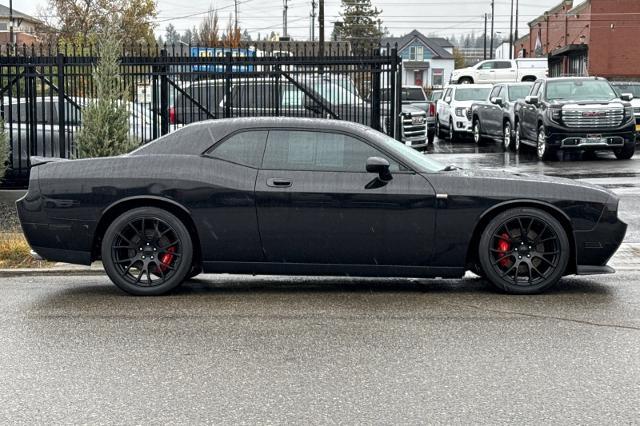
[462, 124]
[590, 139]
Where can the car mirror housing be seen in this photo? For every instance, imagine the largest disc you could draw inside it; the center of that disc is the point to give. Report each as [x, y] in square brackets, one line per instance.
[448, 99]
[532, 100]
[497, 101]
[380, 166]
[627, 97]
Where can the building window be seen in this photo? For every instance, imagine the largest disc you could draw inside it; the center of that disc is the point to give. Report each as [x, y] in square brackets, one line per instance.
[418, 77]
[437, 77]
[416, 53]
[3, 27]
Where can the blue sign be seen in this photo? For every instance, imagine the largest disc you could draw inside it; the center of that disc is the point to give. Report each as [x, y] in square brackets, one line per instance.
[218, 54]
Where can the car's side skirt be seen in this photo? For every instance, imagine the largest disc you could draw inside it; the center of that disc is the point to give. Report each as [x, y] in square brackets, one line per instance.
[265, 268]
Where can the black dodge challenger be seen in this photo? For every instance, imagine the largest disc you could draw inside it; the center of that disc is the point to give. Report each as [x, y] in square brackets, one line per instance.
[311, 197]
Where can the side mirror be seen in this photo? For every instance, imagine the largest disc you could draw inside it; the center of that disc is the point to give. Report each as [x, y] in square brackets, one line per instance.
[448, 99]
[380, 166]
[532, 100]
[497, 101]
[627, 97]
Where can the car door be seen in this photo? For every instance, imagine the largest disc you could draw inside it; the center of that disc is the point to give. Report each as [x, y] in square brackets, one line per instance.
[492, 113]
[445, 107]
[486, 72]
[317, 204]
[530, 116]
[505, 72]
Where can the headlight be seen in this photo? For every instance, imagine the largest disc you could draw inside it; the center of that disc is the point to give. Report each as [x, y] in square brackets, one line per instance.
[555, 114]
[461, 112]
[628, 113]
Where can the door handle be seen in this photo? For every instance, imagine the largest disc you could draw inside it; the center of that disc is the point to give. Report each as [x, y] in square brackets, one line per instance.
[279, 183]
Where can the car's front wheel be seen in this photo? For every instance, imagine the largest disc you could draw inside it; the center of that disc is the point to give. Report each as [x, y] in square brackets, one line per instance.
[524, 251]
[507, 141]
[516, 142]
[626, 152]
[147, 251]
[477, 132]
[544, 151]
[452, 134]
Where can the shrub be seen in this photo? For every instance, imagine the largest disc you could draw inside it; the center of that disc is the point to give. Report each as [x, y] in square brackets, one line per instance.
[105, 120]
[4, 151]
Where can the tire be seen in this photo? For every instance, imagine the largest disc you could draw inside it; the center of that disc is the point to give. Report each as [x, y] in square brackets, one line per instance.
[507, 139]
[477, 132]
[517, 139]
[147, 251]
[430, 137]
[194, 272]
[626, 152]
[524, 251]
[452, 134]
[543, 151]
[465, 80]
[438, 129]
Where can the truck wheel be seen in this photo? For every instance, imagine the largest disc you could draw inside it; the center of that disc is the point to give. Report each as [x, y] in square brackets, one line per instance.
[438, 130]
[430, 137]
[452, 133]
[477, 132]
[465, 80]
[507, 143]
[545, 153]
[626, 152]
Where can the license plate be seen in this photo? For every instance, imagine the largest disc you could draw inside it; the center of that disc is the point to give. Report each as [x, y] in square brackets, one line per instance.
[595, 139]
[417, 120]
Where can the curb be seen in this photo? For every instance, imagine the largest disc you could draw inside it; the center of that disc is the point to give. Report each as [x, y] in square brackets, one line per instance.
[38, 272]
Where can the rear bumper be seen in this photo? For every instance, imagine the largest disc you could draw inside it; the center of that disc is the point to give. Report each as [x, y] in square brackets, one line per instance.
[594, 248]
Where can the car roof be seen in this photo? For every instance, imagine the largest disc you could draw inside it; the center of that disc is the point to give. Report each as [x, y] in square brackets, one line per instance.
[221, 128]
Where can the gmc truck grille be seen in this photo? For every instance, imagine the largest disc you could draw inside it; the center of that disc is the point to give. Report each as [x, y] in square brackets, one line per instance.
[414, 131]
[593, 117]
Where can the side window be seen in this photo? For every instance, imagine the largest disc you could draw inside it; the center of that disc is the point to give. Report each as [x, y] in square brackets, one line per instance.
[254, 96]
[292, 96]
[243, 148]
[488, 65]
[318, 151]
[504, 65]
[495, 92]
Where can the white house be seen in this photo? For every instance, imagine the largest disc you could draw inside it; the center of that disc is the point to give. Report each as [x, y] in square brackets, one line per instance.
[502, 52]
[426, 61]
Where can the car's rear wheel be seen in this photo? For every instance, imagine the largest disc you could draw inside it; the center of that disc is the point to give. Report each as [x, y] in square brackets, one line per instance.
[524, 251]
[477, 132]
[147, 251]
[626, 152]
[465, 80]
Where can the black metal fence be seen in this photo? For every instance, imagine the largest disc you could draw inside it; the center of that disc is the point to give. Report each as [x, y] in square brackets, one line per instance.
[43, 90]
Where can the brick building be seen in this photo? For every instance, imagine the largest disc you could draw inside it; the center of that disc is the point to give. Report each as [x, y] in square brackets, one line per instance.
[592, 37]
[24, 27]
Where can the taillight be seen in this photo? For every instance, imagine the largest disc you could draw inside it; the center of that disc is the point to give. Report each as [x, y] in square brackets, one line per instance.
[172, 115]
[432, 110]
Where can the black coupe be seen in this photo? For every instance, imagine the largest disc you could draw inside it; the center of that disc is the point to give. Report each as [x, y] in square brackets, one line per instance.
[311, 197]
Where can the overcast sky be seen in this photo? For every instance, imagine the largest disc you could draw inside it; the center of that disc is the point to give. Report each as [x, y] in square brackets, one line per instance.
[443, 17]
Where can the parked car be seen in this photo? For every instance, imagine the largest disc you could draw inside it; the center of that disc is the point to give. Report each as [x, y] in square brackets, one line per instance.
[414, 96]
[19, 125]
[294, 196]
[575, 114]
[631, 87]
[495, 116]
[502, 71]
[452, 109]
[435, 95]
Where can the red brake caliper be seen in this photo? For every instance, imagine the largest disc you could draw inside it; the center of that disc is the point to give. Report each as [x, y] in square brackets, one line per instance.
[503, 248]
[166, 259]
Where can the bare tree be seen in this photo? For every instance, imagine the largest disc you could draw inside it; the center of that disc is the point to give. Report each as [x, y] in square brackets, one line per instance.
[209, 32]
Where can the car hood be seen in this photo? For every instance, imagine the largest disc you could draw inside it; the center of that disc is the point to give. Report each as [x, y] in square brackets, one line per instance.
[502, 183]
[562, 103]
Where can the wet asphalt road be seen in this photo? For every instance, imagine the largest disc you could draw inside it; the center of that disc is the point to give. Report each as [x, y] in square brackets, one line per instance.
[230, 349]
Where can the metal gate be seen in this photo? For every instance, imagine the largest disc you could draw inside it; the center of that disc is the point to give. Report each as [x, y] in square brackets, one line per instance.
[43, 92]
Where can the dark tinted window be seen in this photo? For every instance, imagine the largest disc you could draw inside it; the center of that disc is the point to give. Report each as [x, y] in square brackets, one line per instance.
[621, 88]
[503, 65]
[495, 92]
[413, 94]
[302, 150]
[254, 96]
[244, 148]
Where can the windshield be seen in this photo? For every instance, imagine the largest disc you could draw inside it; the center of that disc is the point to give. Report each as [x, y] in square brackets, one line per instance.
[580, 90]
[472, 94]
[401, 151]
[413, 94]
[634, 89]
[436, 95]
[519, 92]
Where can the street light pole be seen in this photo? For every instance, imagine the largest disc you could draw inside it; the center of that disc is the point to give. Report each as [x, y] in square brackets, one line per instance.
[321, 29]
[485, 36]
[493, 8]
[511, 33]
[516, 28]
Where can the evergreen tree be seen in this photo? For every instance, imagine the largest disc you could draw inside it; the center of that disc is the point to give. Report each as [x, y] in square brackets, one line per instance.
[171, 35]
[105, 120]
[361, 25]
[187, 37]
[4, 150]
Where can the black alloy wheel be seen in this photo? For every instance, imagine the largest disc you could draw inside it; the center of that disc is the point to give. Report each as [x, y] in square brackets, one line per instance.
[147, 251]
[452, 134]
[626, 152]
[524, 251]
[477, 132]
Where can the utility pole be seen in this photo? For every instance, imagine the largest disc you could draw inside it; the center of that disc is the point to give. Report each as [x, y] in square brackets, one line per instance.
[312, 34]
[511, 33]
[236, 15]
[493, 9]
[321, 26]
[11, 24]
[284, 18]
[485, 36]
[516, 28]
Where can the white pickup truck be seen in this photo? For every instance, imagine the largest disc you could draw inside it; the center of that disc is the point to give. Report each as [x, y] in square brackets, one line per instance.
[502, 71]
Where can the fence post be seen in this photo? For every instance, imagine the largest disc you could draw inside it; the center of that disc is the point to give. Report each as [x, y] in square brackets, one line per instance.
[62, 112]
[31, 112]
[375, 90]
[164, 93]
[396, 109]
[227, 85]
